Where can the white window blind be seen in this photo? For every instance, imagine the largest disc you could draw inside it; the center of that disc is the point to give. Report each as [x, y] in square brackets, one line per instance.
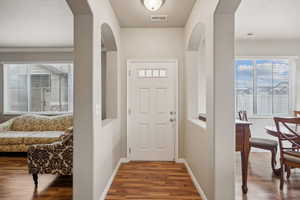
[38, 88]
[263, 86]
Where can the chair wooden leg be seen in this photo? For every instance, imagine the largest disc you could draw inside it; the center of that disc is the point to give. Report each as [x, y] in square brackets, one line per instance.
[35, 179]
[277, 171]
[273, 161]
[288, 170]
[275, 154]
[282, 176]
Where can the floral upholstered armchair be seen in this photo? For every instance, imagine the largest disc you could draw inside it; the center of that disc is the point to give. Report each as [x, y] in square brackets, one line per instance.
[55, 158]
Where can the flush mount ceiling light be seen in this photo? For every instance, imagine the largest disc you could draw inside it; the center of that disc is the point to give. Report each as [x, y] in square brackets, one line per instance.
[153, 5]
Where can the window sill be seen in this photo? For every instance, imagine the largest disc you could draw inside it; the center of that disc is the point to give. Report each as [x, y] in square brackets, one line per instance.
[260, 117]
[268, 116]
[198, 123]
[107, 122]
[37, 113]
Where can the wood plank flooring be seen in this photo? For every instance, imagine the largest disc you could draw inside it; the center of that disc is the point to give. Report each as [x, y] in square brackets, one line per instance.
[262, 185]
[17, 184]
[145, 181]
[152, 180]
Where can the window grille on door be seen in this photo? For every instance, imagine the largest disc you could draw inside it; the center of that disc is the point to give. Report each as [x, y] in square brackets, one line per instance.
[152, 73]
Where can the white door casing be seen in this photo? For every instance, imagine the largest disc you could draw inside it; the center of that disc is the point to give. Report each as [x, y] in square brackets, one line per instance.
[152, 110]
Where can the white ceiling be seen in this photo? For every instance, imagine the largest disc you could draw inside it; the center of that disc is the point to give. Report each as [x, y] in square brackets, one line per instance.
[268, 19]
[49, 23]
[35, 23]
[131, 13]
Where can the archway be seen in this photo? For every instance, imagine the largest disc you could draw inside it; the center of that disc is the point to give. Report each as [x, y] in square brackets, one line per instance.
[196, 72]
[109, 83]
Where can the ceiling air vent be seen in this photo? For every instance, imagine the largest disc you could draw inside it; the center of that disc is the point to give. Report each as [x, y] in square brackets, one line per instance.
[159, 18]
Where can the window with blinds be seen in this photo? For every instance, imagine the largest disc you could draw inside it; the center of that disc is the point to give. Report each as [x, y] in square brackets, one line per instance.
[38, 88]
[264, 86]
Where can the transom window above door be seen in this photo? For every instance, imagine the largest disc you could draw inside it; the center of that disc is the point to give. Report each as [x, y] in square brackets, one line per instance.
[41, 88]
[264, 87]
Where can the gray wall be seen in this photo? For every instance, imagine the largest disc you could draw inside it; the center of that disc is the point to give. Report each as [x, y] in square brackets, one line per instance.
[1, 92]
[103, 84]
[36, 56]
[153, 44]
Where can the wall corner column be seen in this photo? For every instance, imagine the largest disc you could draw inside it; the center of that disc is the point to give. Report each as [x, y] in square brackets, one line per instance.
[224, 100]
[83, 107]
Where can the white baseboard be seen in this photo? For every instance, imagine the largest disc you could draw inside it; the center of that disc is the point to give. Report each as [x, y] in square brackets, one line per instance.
[198, 187]
[111, 179]
[124, 160]
[180, 160]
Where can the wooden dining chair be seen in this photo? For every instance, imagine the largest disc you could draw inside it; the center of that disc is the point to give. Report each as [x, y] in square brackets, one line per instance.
[297, 113]
[289, 145]
[261, 143]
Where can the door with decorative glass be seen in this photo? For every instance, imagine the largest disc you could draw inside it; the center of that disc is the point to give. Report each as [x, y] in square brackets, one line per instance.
[152, 110]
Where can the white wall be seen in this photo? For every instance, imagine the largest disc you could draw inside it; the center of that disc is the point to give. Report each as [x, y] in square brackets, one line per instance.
[112, 94]
[198, 141]
[208, 149]
[1, 92]
[97, 146]
[191, 91]
[154, 44]
[83, 107]
[195, 73]
[107, 137]
[36, 55]
[278, 47]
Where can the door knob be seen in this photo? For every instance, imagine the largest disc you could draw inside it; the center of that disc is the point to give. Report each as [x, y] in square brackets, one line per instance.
[172, 120]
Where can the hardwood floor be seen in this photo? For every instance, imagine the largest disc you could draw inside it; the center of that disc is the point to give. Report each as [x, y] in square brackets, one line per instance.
[17, 184]
[262, 184]
[152, 180]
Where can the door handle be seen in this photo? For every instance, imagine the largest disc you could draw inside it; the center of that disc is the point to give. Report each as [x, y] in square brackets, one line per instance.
[172, 120]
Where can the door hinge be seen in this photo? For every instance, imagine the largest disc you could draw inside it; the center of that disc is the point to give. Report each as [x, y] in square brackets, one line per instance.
[129, 150]
[129, 111]
[129, 73]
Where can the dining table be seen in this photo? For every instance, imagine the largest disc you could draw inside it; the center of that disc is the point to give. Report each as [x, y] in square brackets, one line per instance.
[243, 134]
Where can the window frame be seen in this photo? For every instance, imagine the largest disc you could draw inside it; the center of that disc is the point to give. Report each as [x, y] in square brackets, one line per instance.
[292, 81]
[4, 88]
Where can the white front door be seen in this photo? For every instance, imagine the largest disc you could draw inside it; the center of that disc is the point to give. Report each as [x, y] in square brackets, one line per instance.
[152, 110]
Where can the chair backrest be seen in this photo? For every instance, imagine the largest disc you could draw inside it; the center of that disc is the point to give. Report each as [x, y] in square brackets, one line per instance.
[287, 133]
[31, 122]
[243, 115]
[297, 113]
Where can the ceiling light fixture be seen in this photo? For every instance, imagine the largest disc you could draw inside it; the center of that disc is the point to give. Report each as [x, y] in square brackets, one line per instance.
[153, 5]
